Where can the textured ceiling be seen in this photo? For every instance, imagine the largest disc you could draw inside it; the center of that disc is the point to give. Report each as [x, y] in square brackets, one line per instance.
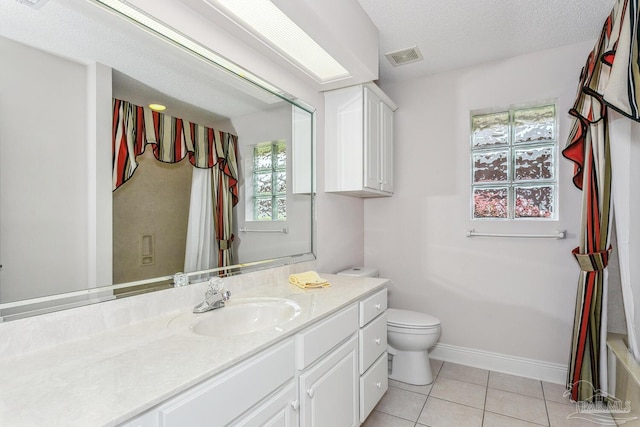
[458, 33]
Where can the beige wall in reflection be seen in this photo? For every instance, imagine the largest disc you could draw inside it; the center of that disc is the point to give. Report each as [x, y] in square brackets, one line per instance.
[154, 202]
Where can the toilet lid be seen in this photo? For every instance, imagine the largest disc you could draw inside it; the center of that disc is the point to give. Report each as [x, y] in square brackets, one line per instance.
[413, 319]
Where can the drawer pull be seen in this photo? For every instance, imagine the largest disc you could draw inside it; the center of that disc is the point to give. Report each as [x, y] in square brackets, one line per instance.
[378, 306]
[310, 393]
[378, 341]
[295, 405]
[379, 384]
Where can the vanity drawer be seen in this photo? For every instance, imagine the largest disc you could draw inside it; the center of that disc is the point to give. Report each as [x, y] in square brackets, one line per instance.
[223, 398]
[371, 307]
[324, 336]
[373, 341]
[373, 384]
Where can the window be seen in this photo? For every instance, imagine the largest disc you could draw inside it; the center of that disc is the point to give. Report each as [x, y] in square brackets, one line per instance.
[513, 156]
[270, 181]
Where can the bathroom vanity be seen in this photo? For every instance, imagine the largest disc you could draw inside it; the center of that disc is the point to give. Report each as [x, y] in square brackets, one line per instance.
[329, 373]
[326, 365]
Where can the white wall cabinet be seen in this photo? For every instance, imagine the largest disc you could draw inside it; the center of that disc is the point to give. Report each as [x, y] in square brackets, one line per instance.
[359, 141]
[331, 373]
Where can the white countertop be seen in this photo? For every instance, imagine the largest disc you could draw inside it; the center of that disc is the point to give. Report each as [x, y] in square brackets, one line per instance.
[108, 378]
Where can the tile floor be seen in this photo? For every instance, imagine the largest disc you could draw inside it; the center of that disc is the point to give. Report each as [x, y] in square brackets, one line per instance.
[462, 396]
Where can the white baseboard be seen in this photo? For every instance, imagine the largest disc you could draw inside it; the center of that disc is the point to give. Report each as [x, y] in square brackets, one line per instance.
[545, 371]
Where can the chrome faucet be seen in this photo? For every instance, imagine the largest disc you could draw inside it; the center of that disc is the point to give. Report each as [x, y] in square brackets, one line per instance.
[214, 297]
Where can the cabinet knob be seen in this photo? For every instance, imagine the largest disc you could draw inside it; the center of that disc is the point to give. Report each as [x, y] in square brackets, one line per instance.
[378, 341]
[295, 405]
[379, 384]
[378, 306]
[310, 393]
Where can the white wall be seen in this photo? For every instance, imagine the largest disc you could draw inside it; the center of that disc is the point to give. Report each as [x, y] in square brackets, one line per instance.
[43, 173]
[508, 296]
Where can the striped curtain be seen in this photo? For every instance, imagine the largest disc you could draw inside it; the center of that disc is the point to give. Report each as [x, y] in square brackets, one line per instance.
[134, 127]
[607, 81]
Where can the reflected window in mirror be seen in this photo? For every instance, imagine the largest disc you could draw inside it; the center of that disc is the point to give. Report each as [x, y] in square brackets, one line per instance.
[269, 201]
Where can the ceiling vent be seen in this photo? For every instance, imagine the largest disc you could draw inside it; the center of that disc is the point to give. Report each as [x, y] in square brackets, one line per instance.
[36, 4]
[404, 56]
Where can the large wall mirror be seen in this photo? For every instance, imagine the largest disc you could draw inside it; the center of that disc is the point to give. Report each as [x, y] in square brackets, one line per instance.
[101, 197]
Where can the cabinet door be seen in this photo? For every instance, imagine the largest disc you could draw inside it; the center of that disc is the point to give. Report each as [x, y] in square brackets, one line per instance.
[386, 144]
[279, 411]
[372, 153]
[329, 390]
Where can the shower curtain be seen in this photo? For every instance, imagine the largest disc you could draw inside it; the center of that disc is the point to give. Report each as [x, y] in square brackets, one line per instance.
[608, 81]
[625, 155]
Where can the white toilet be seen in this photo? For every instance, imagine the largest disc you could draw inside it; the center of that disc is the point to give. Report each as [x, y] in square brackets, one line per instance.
[410, 335]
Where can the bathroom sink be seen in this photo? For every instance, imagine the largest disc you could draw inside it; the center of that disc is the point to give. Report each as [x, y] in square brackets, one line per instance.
[244, 316]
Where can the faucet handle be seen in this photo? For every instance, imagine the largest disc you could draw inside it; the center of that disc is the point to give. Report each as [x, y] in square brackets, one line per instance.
[216, 284]
[180, 279]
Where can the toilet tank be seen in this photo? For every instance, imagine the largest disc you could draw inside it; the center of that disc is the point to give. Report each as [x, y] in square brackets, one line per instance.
[360, 272]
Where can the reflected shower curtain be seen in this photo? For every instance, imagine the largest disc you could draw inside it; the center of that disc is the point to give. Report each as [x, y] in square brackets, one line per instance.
[200, 249]
[211, 243]
[225, 195]
[214, 152]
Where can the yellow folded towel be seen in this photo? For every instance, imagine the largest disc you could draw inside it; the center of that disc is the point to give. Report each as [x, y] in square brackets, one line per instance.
[308, 279]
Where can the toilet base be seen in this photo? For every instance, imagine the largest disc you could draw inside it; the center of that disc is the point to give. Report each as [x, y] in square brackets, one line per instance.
[411, 367]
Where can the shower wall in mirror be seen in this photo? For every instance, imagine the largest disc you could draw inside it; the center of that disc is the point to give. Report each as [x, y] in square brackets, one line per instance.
[65, 237]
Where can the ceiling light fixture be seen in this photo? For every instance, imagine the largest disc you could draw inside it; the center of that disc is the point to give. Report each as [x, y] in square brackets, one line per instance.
[169, 33]
[157, 107]
[283, 35]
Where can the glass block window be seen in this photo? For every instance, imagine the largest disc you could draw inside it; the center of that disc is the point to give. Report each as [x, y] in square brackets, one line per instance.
[513, 163]
[270, 181]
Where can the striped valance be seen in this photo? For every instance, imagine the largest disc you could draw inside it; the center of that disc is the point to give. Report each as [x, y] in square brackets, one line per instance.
[134, 127]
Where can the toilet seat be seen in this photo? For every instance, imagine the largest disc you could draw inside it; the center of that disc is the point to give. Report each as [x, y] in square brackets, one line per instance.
[411, 319]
